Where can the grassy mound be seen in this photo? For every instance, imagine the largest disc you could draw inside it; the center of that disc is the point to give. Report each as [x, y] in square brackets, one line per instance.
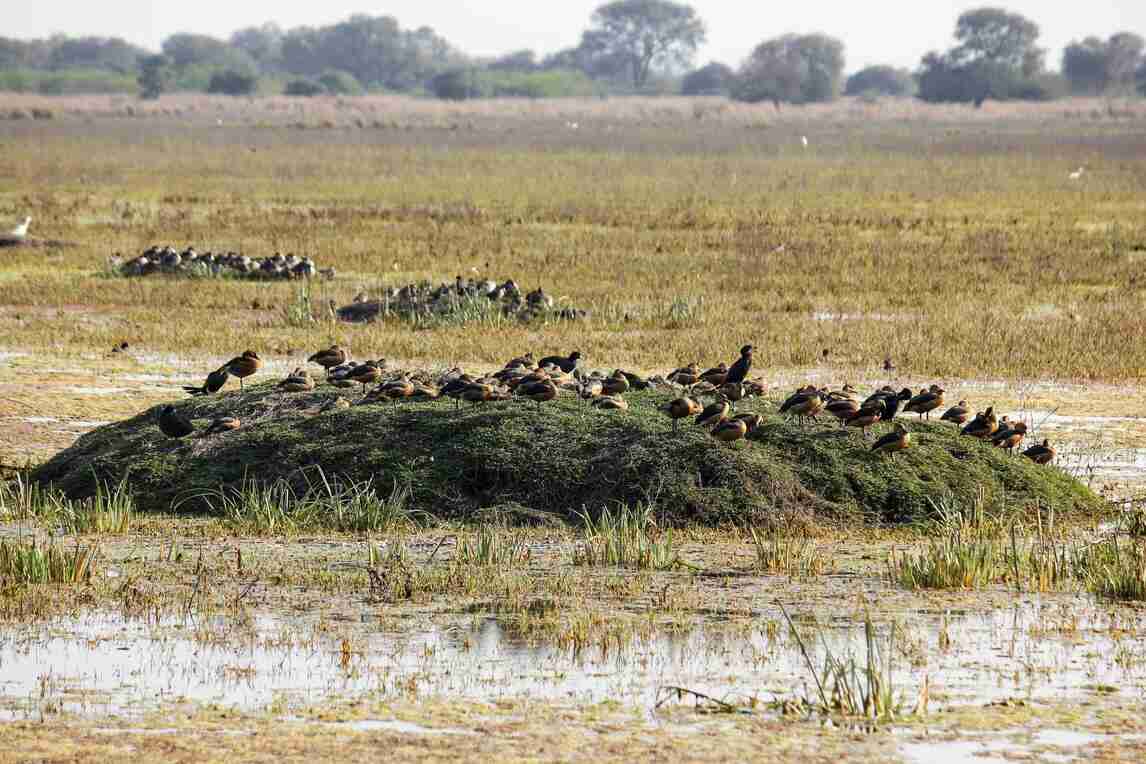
[560, 459]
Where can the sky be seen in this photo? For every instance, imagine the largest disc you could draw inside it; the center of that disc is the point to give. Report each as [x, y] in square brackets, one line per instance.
[899, 33]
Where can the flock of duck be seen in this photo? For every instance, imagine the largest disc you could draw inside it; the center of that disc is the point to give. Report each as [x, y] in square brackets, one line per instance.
[425, 298]
[170, 261]
[541, 381]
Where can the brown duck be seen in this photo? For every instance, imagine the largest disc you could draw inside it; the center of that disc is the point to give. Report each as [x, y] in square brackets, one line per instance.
[958, 414]
[1040, 454]
[681, 408]
[214, 383]
[223, 424]
[713, 414]
[365, 374]
[329, 358]
[924, 403]
[244, 366]
[895, 441]
[1011, 437]
[730, 431]
[299, 381]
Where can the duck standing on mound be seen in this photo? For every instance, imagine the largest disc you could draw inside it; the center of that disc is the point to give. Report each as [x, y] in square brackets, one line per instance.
[739, 370]
[1040, 454]
[681, 408]
[897, 440]
[329, 358]
[244, 366]
[214, 383]
[566, 364]
[173, 424]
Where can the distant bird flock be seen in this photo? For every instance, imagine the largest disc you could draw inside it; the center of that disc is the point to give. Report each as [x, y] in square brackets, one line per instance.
[428, 299]
[541, 381]
[166, 260]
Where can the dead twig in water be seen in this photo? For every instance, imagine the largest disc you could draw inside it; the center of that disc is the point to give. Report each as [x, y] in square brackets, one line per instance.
[804, 650]
[680, 692]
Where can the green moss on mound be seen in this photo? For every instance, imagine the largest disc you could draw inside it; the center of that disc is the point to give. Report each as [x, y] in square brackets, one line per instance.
[560, 459]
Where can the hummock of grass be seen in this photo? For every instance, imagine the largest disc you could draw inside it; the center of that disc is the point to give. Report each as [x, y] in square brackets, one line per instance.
[565, 459]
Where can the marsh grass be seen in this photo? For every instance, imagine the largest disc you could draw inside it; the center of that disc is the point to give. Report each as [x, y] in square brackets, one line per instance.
[625, 537]
[490, 546]
[29, 562]
[277, 508]
[299, 312]
[788, 555]
[853, 687]
[110, 510]
[1117, 571]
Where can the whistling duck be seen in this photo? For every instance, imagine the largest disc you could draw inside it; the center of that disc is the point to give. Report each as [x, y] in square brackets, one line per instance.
[299, 381]
[739, 371]
[730, 430]
[867, 416]
[897, 440]
[214, 383]
[681, 408]
[686, 376]
[713, 414]
[1010, 437]
[753, 421]
[329, 358]
[1040, 454]
[566, 364]
[924, 403]
[365, 374]
[538, 392]
[223, 424]
[717, 375]
[843, 409]
[244, 366]
[477, 393]
[983, 425]
[425, 392]
[611, 403]
[173, 424]
[958, 414]
[809, 402]
[616, 384]
[339, 375]
[397, 389]
[733, 391]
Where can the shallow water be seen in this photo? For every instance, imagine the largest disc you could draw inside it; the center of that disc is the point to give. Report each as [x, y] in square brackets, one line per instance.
[1038, 649]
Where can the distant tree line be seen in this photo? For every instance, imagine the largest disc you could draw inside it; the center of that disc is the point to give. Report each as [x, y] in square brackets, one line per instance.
[628, 46]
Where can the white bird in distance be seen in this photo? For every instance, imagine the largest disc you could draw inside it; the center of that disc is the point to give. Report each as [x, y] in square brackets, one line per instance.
[20, 231]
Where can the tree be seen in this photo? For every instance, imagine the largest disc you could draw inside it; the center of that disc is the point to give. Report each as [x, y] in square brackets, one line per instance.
[264, 44]
[998, 37]
[111, 54]
[302, 87]
[153, 76]
[996, 58]
[232, 83]
[1140, 79]
[1084, 66]
[518, 61]
[792, 69]
[634, 36]
[881, 80]
[1095, 66]
[714, 79]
